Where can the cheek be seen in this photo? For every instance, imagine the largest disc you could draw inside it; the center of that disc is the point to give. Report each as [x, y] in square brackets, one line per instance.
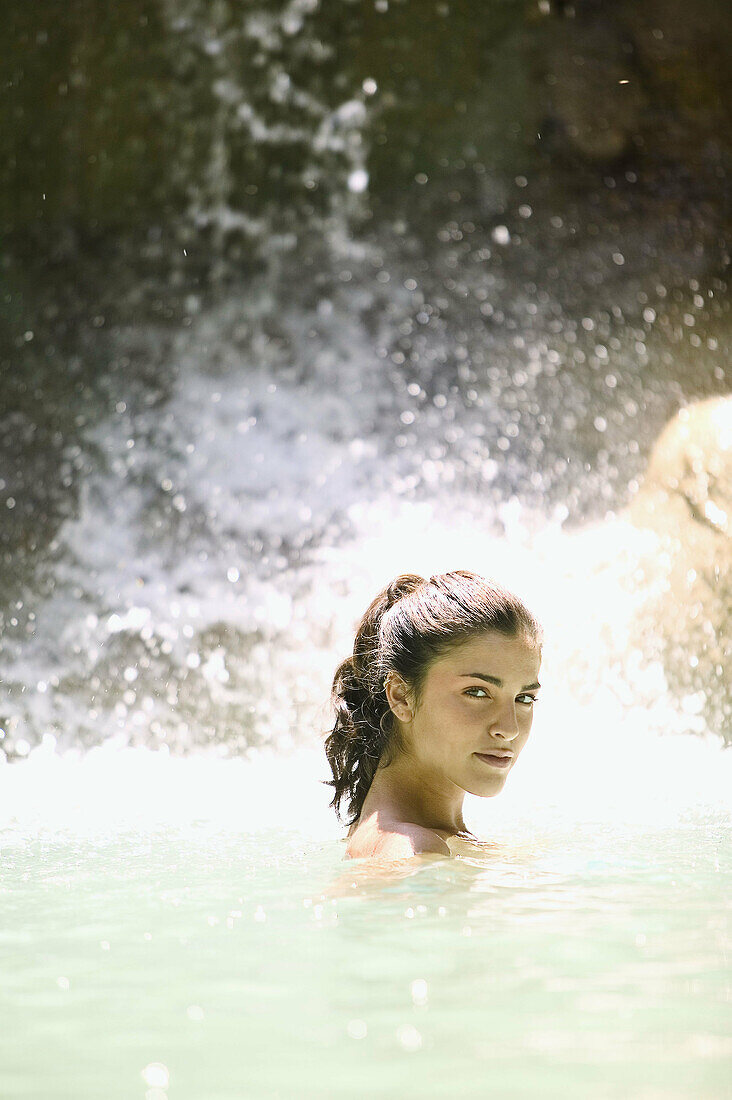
[448, 714]
[445, 727]
[526, 726]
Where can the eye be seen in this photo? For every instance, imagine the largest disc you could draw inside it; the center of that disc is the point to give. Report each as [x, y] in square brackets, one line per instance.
[527, 700]
[482, 690]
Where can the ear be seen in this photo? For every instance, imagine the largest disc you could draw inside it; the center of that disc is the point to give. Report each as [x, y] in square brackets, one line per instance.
[398, 696]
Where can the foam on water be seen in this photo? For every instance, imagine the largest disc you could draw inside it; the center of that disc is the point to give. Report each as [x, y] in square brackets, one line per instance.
[224, 548]
[610, 743]
[653, 782]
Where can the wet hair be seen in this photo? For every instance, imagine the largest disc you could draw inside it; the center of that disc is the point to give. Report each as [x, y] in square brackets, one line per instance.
[406, 627]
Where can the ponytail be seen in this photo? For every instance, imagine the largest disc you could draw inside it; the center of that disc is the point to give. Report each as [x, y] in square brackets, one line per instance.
[359, 738]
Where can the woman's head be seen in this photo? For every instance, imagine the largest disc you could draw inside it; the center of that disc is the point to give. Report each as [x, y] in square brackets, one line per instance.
[407, 642]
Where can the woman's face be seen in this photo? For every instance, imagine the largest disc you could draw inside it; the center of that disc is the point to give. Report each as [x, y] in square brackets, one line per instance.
[476, 710]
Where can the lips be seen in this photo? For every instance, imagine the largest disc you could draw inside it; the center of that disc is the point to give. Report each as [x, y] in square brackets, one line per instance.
[495, 760]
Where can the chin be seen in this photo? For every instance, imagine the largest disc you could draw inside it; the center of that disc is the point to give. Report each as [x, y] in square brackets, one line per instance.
[488, 789]
[495, 791]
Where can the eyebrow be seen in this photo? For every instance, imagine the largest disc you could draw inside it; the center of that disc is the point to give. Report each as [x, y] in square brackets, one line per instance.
[495, 680]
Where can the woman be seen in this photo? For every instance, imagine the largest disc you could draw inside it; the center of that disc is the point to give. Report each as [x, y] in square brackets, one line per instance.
[436, 700]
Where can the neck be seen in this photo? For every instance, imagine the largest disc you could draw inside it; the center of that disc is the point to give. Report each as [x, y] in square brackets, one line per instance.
[407, 791]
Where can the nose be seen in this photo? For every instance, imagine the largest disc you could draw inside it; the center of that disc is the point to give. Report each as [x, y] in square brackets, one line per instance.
[505, 725]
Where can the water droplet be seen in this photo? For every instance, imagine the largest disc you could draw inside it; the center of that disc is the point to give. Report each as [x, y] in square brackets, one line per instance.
[358, 181]
[409, 1037]
[419, 991]
[156, 1075]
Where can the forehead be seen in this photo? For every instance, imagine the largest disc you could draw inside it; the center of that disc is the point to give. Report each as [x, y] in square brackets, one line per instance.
[493, 654]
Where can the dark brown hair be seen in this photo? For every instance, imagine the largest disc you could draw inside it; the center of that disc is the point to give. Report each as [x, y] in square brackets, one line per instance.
[408, 625]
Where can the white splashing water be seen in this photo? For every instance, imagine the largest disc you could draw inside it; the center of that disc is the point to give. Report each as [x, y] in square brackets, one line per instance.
[242, 454]
[604, 759]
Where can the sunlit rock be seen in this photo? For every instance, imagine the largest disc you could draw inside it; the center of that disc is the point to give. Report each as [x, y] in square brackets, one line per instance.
[686, 498]
[687, 492]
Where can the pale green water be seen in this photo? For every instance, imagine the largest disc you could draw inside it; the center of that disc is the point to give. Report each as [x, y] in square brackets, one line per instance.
[584, 962]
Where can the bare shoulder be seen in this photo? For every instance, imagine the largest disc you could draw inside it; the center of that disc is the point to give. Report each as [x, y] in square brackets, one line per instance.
[405, 840]
[385, 836]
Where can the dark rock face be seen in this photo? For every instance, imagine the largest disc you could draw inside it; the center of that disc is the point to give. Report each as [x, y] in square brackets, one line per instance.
[145, 113]
[642, 80]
